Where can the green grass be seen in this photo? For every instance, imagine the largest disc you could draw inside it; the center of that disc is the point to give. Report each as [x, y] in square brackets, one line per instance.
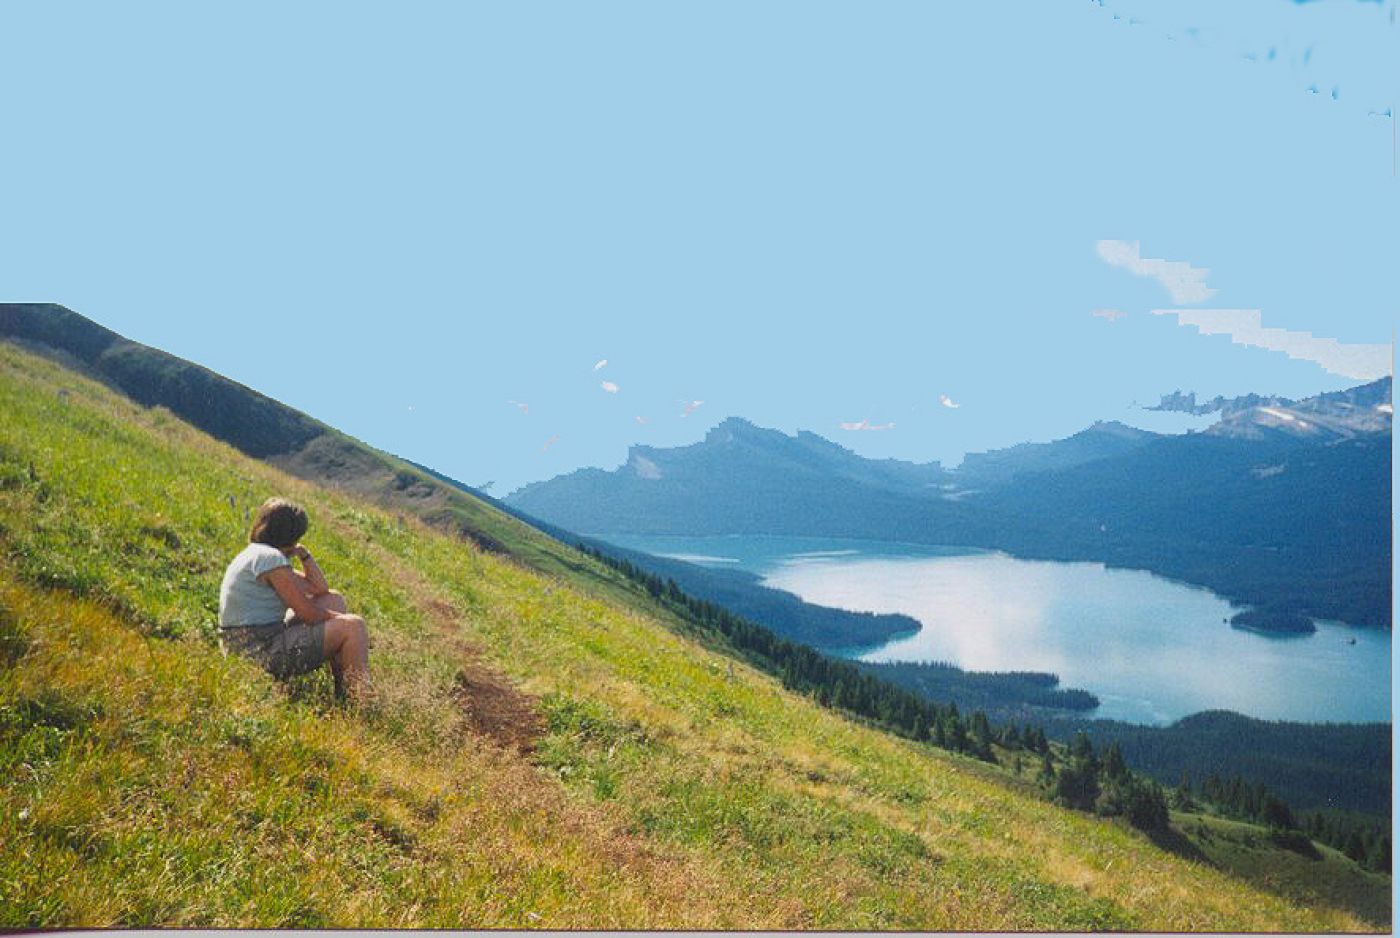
[1323, 876]
[152, 781]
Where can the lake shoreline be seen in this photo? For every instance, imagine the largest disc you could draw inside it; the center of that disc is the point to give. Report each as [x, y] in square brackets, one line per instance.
[1153, 650]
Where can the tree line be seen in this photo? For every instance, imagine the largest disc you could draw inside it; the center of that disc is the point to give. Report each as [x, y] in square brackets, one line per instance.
[1082, 780]
[1364, 839]
[1340, 766]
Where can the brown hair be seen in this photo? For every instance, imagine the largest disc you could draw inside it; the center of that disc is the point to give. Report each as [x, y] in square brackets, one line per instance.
[279, 524]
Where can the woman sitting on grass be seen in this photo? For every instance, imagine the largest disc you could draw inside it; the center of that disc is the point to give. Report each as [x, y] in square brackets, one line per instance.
[290, 622]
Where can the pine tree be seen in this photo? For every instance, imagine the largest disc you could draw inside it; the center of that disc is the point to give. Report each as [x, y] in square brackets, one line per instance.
[1114, 768]
[1275, 813]
[1182, 798]
[957, 732]
[1081, 750]
[1077, 784]
[1355, 847]
[1147, 806]
[982, 736]
[1380, 854]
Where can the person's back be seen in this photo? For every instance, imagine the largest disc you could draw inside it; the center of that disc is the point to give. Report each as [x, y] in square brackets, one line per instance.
[245, 598]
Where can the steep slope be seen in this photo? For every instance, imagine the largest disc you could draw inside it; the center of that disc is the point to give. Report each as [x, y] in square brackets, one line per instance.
[267, 429]
[156, 782]
[226, 410]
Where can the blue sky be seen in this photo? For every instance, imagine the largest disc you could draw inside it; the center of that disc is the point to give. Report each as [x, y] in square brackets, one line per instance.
[400, 218]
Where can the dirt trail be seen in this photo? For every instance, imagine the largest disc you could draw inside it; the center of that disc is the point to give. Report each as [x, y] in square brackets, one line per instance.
[499, 712]
[496, 708]
[490, 702]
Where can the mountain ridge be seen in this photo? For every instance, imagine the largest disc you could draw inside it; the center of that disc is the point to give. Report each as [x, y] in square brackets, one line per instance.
[1288, 511]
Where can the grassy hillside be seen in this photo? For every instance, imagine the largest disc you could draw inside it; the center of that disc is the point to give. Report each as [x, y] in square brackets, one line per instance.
[270, 430]
[544, 752]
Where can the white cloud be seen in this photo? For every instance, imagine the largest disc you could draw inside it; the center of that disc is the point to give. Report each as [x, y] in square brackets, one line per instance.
[947, 401]
[1112, 315]
[601, 364]
[867, 425]
[609, 387]
[1246, 327]
[1185, 283]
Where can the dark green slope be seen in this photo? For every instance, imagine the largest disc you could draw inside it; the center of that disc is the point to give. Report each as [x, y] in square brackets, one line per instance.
[238, 415]
[1276, 523]
[1313, 766]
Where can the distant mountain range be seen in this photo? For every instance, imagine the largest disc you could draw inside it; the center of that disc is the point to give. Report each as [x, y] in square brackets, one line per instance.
[1336, 415]
[1282, 505]
[1358, 412]
[999, 466]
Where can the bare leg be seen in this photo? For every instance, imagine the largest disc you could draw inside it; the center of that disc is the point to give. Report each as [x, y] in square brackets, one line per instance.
[334, 602]
[347, 648]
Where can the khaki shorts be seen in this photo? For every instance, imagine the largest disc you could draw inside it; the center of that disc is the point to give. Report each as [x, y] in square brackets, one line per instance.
[283, 648]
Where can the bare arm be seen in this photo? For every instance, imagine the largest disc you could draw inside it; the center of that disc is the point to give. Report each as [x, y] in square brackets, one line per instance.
[287, 583]
[312, 578]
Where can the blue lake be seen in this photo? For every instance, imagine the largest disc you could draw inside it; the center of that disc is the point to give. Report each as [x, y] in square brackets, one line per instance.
[1151, 649]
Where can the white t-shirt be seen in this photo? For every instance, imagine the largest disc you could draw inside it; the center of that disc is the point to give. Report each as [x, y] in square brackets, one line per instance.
[244, 599]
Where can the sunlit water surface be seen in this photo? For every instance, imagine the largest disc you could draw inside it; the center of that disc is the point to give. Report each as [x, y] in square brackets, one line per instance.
[1152, 650]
